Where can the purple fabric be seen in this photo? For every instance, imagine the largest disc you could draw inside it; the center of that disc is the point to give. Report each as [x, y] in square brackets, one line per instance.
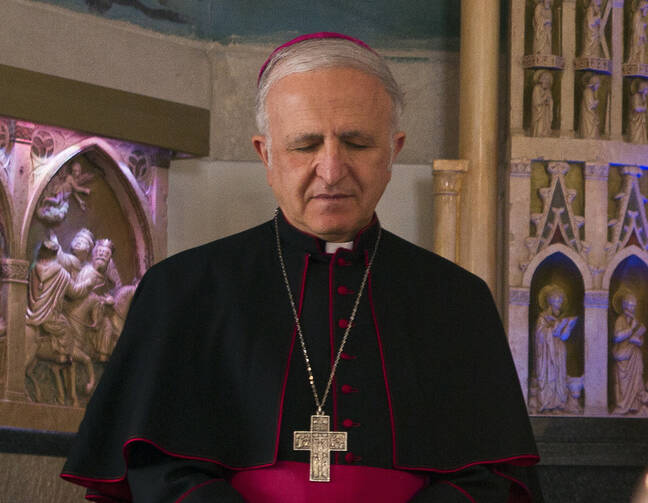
[311, 36]
[287, 482]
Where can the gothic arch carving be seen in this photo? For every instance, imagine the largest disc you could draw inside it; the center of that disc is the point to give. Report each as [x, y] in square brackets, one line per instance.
[119, 177]
[632, 250]
[570, 253]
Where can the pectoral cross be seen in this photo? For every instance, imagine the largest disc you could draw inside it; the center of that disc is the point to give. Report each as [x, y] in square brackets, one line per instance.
[320, 441]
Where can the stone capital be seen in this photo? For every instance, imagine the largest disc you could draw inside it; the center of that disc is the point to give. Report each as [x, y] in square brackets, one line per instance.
[635, 171]
[597, 299]
[596, 171]
[14, 270]
[448, 175]
[520, 167]
[519, 296]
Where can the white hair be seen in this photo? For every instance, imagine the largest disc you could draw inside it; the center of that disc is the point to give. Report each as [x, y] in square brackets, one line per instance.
[325, 53]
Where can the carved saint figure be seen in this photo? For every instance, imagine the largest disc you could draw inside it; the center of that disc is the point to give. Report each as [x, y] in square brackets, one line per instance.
[629, 387]
[637, 49]
[637, 115]
[88, 315]
[589, 109]
[56, 201]
[552, 329]
[592, 30]
[542, 104]
[542, 27]
[49, 336]
[80, 249]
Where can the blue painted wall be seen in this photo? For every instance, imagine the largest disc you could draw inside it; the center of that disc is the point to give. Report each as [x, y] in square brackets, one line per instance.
[415, 23]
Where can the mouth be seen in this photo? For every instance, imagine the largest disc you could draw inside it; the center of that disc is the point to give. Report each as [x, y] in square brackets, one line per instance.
[331, 197]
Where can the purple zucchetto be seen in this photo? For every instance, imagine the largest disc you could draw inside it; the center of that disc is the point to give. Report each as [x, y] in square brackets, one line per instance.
[311, 36]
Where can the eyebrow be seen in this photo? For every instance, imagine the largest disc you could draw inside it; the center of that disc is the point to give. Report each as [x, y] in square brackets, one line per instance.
[310, 138]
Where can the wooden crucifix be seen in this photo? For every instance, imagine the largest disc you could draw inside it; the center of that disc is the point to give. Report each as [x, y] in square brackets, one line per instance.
[320, 441]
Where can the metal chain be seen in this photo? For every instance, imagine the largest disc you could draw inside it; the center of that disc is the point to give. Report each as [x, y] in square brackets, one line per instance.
[320, 404]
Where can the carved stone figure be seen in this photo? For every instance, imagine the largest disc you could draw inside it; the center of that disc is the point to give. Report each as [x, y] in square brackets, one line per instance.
[542, 104]
[80, 249]
[592, 30]
[637, 46]
[56, 201]
[552, 329]
[629, 387]
[48, 335]
[637, 115]
[88, 315]
[542, 27]
[589, 109]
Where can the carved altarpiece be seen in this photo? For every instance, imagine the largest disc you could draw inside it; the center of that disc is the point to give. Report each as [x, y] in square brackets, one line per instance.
[82, 217]
[577, 272]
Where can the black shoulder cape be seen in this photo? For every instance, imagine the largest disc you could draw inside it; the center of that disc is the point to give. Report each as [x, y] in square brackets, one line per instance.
[198, 370]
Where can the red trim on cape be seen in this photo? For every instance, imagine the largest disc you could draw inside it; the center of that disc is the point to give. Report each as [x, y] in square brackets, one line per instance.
[527, 497]
[460, 489]
[195, 488]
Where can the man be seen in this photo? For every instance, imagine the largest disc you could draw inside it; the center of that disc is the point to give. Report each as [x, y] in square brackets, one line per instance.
[316, 357]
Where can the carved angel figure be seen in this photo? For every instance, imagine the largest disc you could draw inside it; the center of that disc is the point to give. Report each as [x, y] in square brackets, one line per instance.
[552, 329]
[592, 30]
[56, 201]
[629, 387]
[542, 27]
[637, 112]
[637, 49]
[542, 104]
[589, 109]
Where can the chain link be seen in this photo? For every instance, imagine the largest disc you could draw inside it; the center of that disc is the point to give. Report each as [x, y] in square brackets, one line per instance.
[311, 380]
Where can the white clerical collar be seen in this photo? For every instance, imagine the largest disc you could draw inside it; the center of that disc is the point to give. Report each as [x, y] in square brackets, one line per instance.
[332, 247]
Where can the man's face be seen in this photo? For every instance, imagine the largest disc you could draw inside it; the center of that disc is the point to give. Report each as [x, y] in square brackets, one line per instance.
[556, 302]
[629, 306]
[101, 256]
[332, 149]
[80, 245]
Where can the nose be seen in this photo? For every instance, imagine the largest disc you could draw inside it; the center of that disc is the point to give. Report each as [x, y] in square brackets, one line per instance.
[331, 163]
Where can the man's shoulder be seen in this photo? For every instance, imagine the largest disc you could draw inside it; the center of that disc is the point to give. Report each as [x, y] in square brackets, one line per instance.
[418, 262]
[235, 247]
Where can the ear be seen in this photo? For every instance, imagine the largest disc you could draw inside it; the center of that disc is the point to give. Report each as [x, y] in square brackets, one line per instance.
[261, 146]
[399, 143]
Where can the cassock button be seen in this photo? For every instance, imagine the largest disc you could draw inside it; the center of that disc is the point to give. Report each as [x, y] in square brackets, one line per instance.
[341, 261]
[347, 356]
[348, 389]
[350, 458]
[342, 323]
[350, 423]
[343, 290]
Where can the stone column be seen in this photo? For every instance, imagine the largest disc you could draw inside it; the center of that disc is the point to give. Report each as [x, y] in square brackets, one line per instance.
[14, 272]
[519, 213]
[616, 88]
[518, 334]
[568, 84]
[478, 128]
[448, 175]
[595, 380]
[516, 79]
[596, 217]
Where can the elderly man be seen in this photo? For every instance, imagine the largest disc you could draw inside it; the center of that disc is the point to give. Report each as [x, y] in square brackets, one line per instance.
[316, 357]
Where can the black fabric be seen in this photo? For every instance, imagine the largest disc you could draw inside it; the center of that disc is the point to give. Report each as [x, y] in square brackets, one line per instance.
[199, 369]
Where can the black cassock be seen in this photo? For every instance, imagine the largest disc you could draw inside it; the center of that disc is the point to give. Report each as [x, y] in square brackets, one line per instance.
[208, 381]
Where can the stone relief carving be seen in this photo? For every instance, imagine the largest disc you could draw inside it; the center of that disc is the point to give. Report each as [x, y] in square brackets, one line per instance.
[67, 184]
[637, 111]
[591, 42]
[75, 311]
[557, 222]
[542, 104]
[542, 27]
[630, 392]
[637, 45]
[551, 389]
[589, 126]
[630, 226]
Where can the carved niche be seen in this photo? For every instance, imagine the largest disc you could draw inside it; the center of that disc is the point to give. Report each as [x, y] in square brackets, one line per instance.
[91, 219]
